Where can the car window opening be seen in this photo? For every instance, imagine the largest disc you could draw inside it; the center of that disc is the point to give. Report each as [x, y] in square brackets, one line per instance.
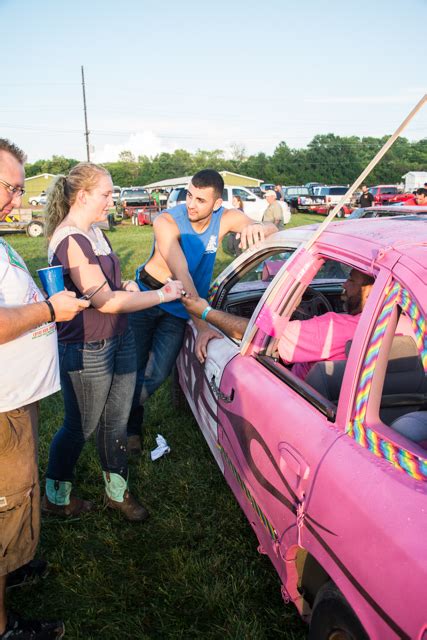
[403, 405]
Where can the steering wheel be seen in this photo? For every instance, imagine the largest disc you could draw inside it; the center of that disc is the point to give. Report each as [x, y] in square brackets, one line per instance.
[313, 303]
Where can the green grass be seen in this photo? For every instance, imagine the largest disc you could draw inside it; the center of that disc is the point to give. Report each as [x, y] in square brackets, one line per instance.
[193, 569]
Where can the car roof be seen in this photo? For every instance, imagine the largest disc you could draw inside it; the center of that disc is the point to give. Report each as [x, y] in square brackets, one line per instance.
[403, 209]
[370, 239]
[362, 237]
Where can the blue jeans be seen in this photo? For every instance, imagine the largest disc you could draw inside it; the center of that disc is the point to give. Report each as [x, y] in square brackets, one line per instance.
[158, 337]
[98, 381]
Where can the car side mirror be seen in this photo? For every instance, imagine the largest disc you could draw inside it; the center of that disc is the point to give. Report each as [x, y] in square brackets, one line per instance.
[250, 199]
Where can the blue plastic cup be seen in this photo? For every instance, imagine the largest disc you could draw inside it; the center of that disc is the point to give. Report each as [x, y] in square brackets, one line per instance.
[52, 279]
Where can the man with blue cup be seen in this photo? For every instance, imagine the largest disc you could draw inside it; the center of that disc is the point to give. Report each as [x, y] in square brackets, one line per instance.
[29, 372]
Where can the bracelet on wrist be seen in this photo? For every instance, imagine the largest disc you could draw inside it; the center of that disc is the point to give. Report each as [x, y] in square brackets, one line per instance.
[51, 309]
[205, 312]
[161, 295]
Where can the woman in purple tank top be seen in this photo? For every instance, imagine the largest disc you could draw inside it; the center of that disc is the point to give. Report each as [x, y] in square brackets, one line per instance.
[96, 353]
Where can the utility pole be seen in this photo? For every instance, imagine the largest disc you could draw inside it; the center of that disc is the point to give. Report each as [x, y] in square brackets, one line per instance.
[85, 112]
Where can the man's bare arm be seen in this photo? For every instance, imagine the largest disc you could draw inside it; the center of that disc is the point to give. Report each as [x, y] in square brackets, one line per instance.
[166, 234]
[167, 239]
[233, 326]
[15, 321]
[250, 231]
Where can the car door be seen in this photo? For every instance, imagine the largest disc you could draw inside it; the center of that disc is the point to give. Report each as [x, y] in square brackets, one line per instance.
[201, 383]
[273, 432]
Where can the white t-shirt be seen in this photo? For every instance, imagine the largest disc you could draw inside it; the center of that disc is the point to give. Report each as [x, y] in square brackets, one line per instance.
[29, 367]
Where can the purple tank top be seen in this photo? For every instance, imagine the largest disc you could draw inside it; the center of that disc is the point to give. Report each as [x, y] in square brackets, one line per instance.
[90, 325]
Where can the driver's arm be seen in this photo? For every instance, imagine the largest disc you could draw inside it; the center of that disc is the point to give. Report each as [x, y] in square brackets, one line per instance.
[233, 326]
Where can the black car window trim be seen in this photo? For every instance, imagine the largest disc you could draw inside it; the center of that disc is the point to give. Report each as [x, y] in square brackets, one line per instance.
[303, 389]
[235, 277]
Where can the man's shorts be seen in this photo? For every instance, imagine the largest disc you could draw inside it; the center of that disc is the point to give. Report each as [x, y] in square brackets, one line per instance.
[19, 488]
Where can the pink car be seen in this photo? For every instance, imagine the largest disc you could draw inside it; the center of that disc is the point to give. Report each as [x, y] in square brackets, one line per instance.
[330, 471]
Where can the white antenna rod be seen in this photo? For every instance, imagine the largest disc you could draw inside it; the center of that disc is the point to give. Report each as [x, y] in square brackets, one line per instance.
[364, 173]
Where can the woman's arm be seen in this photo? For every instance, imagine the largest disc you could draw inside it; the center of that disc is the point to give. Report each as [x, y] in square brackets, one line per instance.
[87, 276]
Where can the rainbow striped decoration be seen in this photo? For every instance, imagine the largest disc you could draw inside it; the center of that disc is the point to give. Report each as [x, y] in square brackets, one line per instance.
[212, 290]
[264, 520]
[400, 458]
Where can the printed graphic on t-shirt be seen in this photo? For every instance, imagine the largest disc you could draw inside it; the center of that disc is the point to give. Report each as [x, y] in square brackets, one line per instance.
[212, 246]
[14, 259]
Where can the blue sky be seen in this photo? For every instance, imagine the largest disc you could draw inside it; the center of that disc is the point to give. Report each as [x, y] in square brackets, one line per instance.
[165, 75]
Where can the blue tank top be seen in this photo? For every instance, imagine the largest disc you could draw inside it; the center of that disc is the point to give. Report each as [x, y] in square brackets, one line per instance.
[200, 251]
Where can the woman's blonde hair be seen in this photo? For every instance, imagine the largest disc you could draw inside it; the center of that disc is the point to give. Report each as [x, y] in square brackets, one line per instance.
[63, 192]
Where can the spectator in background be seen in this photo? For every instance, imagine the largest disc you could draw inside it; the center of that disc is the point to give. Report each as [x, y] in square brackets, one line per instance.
[155, 194]
[419, 200]
[366, 199]
[274, 212]
[29, 372]
[279, 192]
[237, 202]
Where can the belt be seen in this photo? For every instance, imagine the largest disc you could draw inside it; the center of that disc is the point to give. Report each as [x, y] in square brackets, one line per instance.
[149, 281]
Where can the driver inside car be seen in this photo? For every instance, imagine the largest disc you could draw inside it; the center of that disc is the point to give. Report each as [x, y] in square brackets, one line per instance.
[306, 342]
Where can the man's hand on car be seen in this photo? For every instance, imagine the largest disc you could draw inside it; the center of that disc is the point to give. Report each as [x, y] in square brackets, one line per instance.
[204, 336]
[67, 306]
[251, 235]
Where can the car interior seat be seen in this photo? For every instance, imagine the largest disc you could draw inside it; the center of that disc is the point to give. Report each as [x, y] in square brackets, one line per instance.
[413, 426]
[405, 385]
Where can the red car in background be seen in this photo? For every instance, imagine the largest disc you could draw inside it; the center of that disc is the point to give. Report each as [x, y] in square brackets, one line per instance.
[385, 193]
[401, 197]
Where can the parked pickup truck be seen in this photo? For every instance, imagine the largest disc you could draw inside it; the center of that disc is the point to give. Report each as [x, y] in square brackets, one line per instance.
[383, 193]
[299, 198]
[22, 220]
[132, 198]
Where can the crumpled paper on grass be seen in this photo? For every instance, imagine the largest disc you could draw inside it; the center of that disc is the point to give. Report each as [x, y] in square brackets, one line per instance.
[161, 449]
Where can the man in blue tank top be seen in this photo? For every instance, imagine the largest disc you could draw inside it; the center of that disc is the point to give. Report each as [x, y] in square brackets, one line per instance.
[186, 240]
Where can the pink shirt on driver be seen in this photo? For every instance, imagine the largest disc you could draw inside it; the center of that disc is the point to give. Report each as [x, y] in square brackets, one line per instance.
[323, 338]
[320, 338]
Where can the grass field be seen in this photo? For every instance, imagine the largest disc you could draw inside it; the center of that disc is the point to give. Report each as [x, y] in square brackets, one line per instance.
[192, 570]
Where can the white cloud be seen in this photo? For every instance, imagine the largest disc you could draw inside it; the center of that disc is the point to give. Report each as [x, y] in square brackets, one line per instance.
[140, 143]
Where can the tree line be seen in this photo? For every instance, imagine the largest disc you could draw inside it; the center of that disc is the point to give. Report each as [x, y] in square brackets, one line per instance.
[328, 158]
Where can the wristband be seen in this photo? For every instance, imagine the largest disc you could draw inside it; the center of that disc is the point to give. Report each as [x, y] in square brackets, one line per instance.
[51, 309]
[161, 295]
[205, 312]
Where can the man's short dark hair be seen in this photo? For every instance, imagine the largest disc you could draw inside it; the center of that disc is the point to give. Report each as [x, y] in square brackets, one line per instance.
[421, 192]
[209, 178]
[15, 151]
